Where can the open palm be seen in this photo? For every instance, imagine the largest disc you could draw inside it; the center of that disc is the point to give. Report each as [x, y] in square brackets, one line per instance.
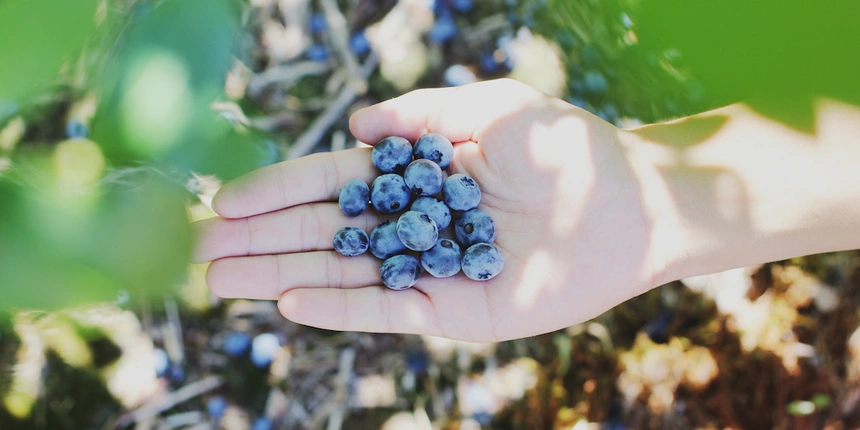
[570, 219]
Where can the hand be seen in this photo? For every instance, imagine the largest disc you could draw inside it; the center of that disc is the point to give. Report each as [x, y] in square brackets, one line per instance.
[570, 217]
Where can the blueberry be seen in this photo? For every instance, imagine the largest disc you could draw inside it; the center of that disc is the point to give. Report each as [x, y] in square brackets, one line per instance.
[443, 259]
[399, 272]
[384, 242]
[475, 226]
[160, 361]
[318, 23]
[263, 349]
[176, 374]
[482, 262]
[317, 53]
[236, 343]
[75, 129]
[460, 192]
[595, 82]
[392, 154]
[462, 5]
[350, 241]
[417, 231]
[216, 406]
[457, 75]
[443, 29]
[389, 193]
[488, 62]
[262, 423]
[423, 177]
[358, 43]
[434, 147]
[354, 197]
[435, 209]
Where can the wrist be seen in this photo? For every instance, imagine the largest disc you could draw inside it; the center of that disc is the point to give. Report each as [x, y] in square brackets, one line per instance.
[730, 188]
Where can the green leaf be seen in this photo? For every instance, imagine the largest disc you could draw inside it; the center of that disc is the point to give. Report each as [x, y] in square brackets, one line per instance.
[38, 36]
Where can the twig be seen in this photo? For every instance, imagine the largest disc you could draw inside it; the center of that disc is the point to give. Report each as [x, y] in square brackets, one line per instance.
[173, 333]
[322, 123]
[287, 74]
[157, 406]
[340, 41]
[344, 374]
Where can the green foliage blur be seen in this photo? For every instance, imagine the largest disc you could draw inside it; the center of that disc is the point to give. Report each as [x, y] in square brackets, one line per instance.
[85, 217]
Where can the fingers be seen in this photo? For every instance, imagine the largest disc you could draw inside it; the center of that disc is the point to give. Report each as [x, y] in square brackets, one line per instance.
[372, 309]
[315, 178]
[458, 113]
[456, 308]
[267, 277]
[302, 228]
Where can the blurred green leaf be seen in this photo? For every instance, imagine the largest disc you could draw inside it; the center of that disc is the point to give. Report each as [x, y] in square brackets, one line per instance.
[170, 66]
[37, 37]
[54, 253]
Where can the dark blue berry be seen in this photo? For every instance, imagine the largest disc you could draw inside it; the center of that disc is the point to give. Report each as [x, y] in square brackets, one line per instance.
[236, 343]
[399, 272]
[317, 53]
[176, 374]
[443, 29]
[475, 226]
[354, 197]
[384, 242]
[443, 259]
[318, 23]
[423, 177]
[417, 231]
[262, 423]
[392, 154]
[461, 193]
[350, 241]
[434, 147]
[482, 262]
[461, 5]
[358, 43]
[75, 129]
[264, 348]
[216, 407]
[435, 209]
[489, 63]
[389, 193]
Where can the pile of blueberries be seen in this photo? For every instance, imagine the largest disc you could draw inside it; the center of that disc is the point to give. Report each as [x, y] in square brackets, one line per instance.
[414, 240]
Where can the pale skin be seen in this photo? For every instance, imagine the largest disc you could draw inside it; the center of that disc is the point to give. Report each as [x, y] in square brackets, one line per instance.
[588, 215]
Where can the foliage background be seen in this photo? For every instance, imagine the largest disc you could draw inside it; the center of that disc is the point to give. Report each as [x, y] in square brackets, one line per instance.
[119, 119]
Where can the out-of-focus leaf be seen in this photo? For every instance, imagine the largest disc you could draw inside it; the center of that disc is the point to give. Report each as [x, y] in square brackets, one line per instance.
[171, 65]
[780, 55]
[57, 254]
[36, 37]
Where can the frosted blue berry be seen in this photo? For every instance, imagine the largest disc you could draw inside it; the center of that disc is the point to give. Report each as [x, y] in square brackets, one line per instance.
[392, 154]
[435, 209]
[389, 193]
[216, 406]
[399, 272]
[236, 343]
[417, 231]
[263, 349]
[442, 30]
[460, 192]
[359, 44]
[482, 262]
[160, 361]
[318, 53]
[384, 242]
[354, 197]
[443, 259]
[75, 129]
[434, 147]
[350, 241]
[475, 226]
[262, 423]
[318, 23]
[423, 177]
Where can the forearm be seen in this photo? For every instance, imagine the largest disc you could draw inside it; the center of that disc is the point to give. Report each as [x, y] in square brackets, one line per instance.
[731, 188]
